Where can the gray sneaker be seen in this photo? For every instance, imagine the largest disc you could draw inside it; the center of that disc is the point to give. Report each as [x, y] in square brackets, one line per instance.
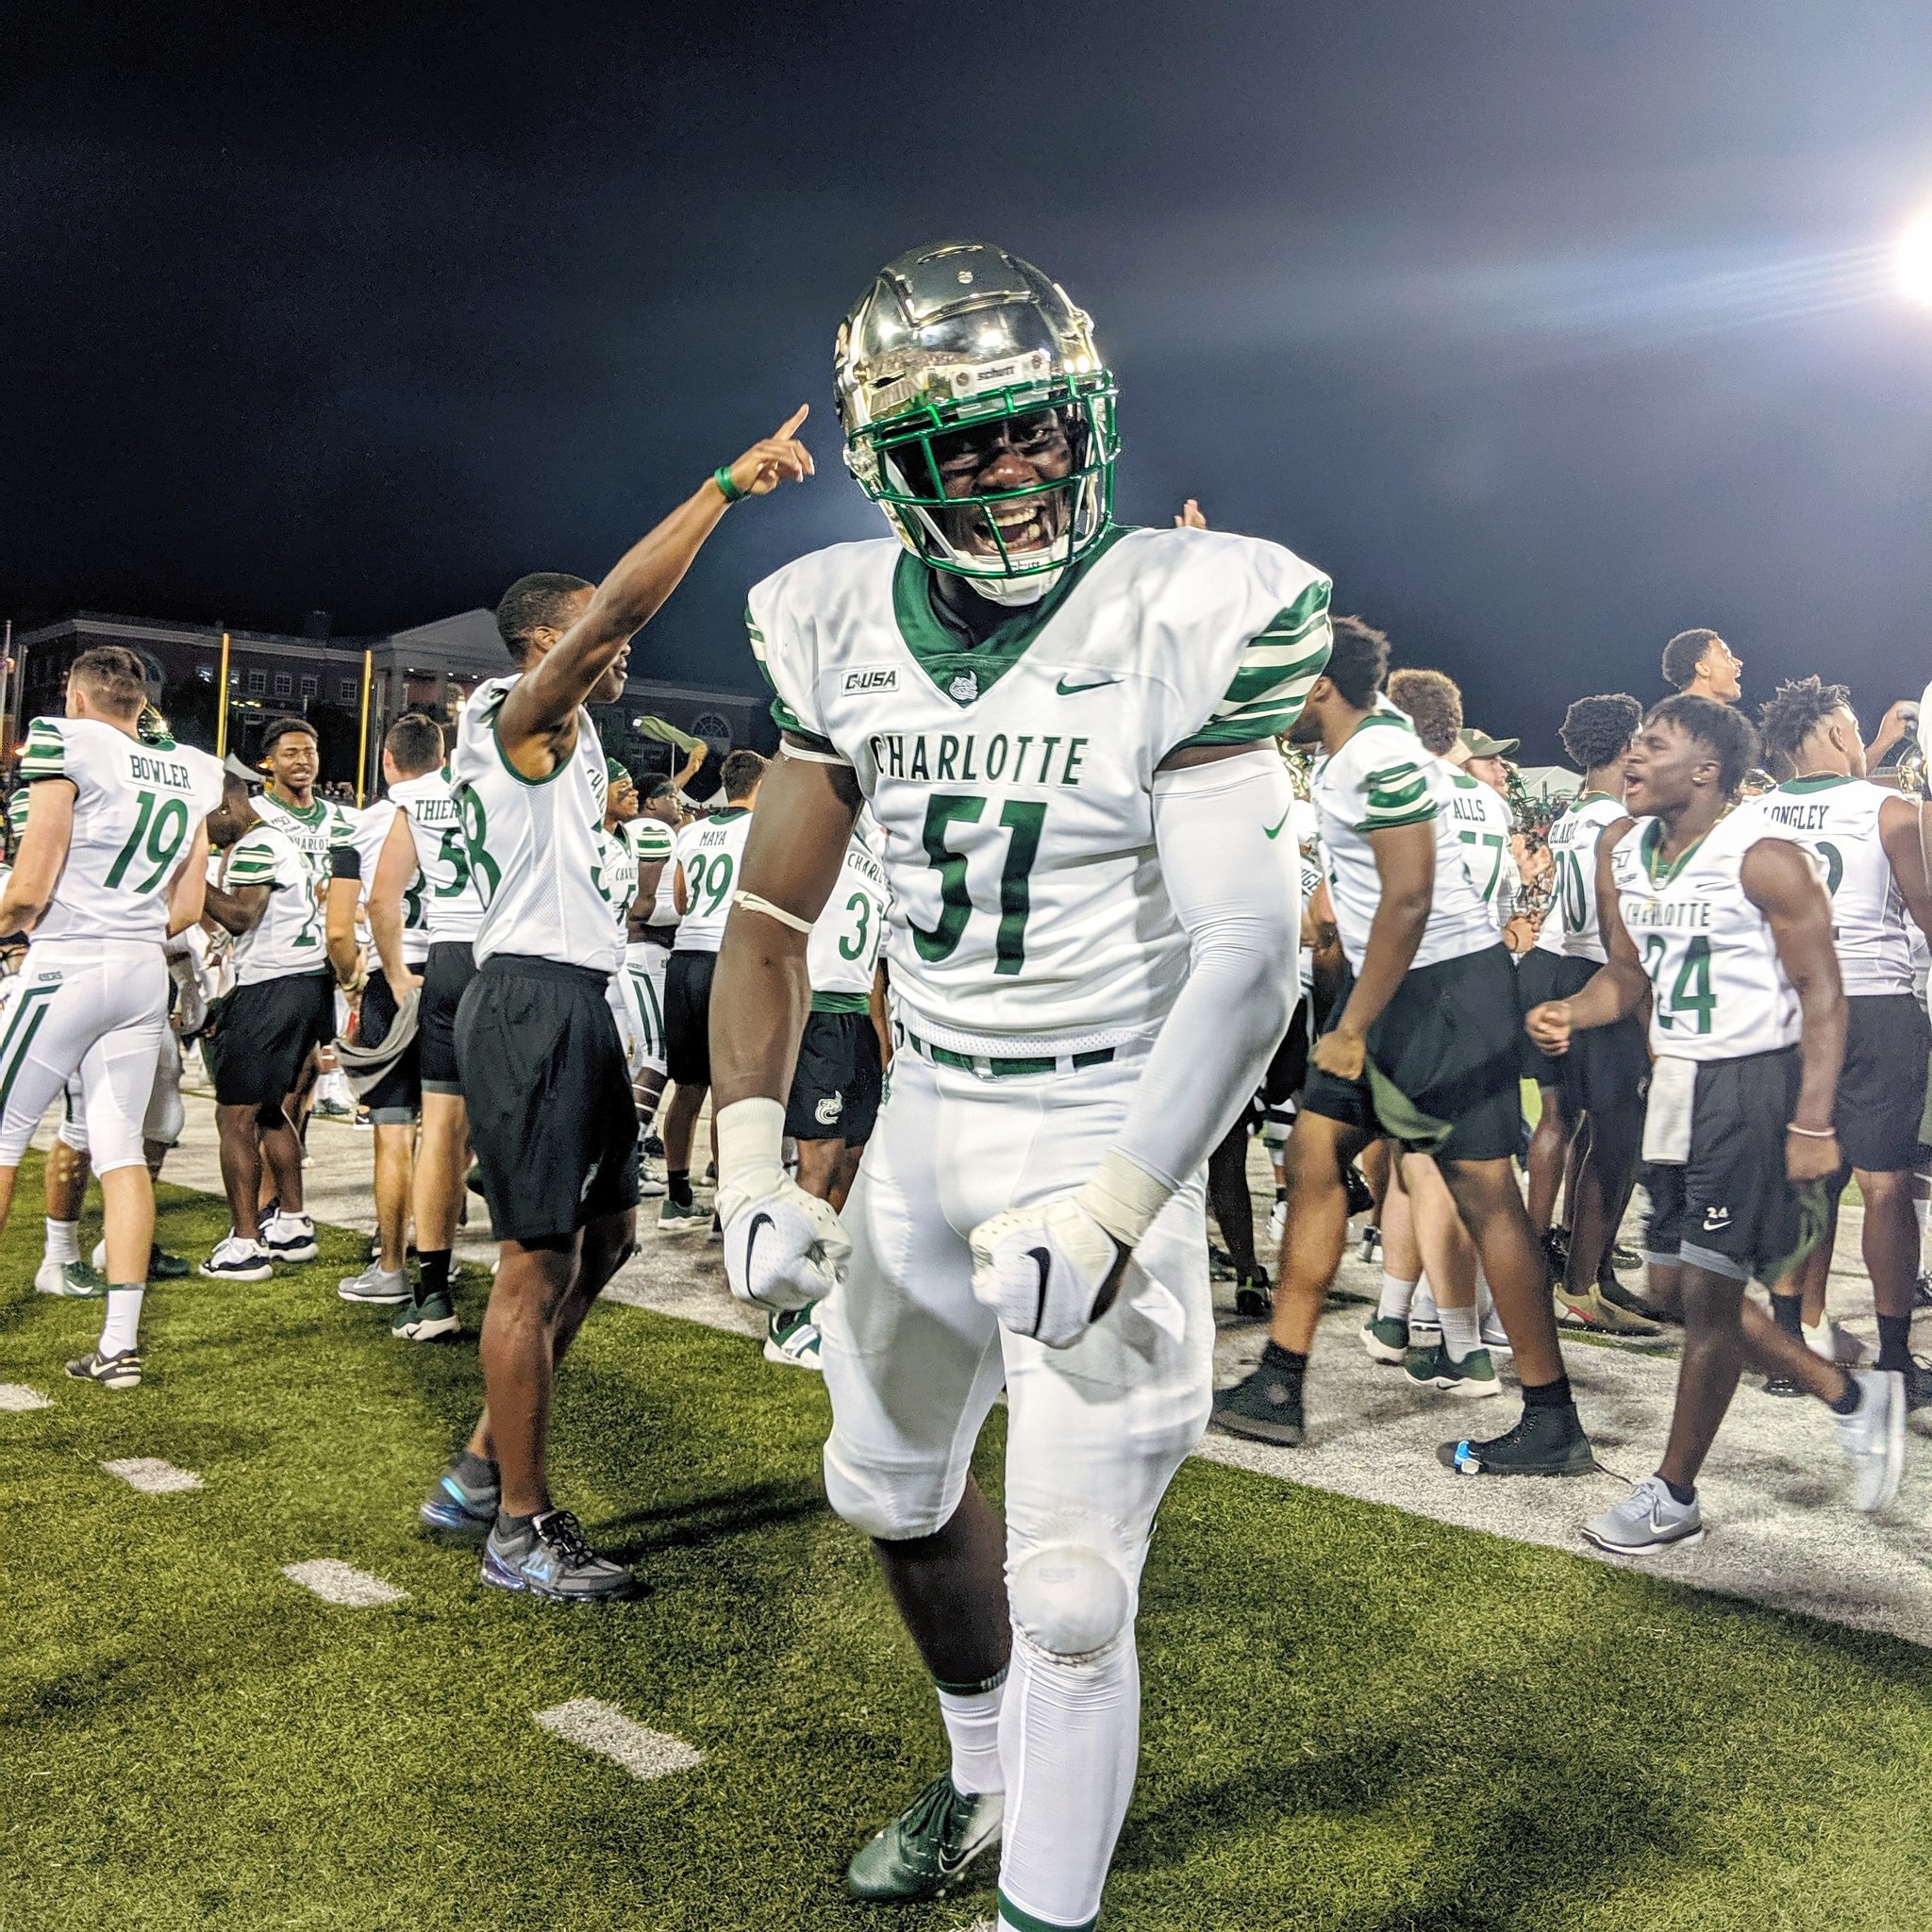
[925, 1850]
[548, 1557]
[1873, 1437]
[376, 1287]
[1647, 1519]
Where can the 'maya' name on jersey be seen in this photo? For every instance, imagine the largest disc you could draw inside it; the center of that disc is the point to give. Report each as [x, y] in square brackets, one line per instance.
[532, 842]
[288, 937]
[1574, 841]
[710, 853]
[843, 954]
[136, 807]
[1836, 820]
[452, 905]
[1718, 988]
[1013, 780]
[1380, 780]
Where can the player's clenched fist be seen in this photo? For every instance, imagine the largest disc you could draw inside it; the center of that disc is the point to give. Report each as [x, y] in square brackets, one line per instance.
[1049, 1272]
[784, 1248]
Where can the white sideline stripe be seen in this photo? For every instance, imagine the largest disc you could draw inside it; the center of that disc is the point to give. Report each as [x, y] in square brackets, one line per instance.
[16, 1398]
[605, 1729]
[340, 1583]
[151, 1475]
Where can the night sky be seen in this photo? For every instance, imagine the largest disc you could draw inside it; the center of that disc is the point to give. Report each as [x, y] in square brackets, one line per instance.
[1547, 329]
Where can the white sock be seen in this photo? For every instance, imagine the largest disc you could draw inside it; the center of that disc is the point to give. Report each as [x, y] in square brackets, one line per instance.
[1818, 1338]
[1461, 1331]
[1485, 1301]
[1423, 1308]
[1396, 1296]
[123, 1330]
[1069, 1740]
[63, 1241]
[1921, 1208]
[972, 1729]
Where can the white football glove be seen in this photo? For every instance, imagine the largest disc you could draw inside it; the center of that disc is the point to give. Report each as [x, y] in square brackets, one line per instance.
[1042, 1270]
[784, 1249]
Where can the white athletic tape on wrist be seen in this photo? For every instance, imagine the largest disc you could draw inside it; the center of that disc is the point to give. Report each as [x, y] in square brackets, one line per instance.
[1124, 1197]
[751, 1136]
[787, 750]
[752, 903]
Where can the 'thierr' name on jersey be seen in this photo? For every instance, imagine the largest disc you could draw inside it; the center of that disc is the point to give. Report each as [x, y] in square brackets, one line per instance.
[136, 810]
[1013, 778]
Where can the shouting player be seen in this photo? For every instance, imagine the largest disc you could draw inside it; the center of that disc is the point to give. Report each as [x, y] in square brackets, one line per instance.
[1063, 729]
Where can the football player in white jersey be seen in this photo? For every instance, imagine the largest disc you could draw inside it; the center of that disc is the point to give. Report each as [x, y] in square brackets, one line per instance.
[1748, 1025]
[113, 863]
[708, 858]
[1866, 836]
[1423, 1049]
[1063, 729]
[648, 934]
[636, 997]
[412, 748]
[542, 1071]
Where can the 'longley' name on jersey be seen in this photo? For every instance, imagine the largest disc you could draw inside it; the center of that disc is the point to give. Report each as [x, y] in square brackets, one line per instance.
[1014, 759]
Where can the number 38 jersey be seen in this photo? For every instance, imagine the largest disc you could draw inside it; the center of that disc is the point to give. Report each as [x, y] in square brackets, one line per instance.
[1012, 780]
[1574, 841]
[452, 907]
[1718, 988]
[710, 853]
[136, 807]
[532, 842]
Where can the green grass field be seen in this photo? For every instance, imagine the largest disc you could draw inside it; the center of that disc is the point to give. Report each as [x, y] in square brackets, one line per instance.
[1353, 1719]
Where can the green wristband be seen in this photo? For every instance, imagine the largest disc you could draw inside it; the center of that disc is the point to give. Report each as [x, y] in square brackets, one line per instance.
[726, 487]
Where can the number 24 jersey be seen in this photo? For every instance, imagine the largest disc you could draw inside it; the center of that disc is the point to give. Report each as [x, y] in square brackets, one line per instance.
[1012, 780]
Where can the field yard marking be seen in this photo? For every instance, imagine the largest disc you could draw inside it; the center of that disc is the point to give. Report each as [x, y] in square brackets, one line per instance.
[603, 1729]
[16, 1398]
[152, 1477]
[340, 1583]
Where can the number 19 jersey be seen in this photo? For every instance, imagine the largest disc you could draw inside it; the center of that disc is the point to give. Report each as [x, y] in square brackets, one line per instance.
[135, 808]
[711, 853]
[1718, 987]
[1013, 778]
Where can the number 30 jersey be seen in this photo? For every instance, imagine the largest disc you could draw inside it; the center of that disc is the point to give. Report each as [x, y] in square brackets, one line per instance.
[452, 907]
[1012, 780]
[135, 808]
[1573, 842]
[710, 853]
[1718, 988]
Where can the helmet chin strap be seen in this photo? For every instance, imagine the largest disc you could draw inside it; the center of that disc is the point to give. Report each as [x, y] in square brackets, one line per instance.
[1017, 592]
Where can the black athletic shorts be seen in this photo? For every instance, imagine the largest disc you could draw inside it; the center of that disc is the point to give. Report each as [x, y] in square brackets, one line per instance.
[688, 1018]
[265, 1035]
[1730, 1208]
[1607, 1068]
[835, 1087]
[1443, 1063]
[450, 968]
[552, 1120]
[1881, 1088]
[397, 1097]
[1544, 975]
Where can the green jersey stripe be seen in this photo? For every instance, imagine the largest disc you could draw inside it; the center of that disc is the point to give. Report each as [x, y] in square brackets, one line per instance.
[1390, 824]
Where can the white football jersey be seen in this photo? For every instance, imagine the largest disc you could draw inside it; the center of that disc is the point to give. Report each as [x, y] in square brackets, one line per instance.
[367, 832]
[710, 853]
[653, 842]
[1012, 780]
[452, 904]
[1483, 823]
[532, 843]
[288, 937]
[843, 954]
[312, 831]
[136, 809]
[616, 877]
[1381, 779]
[1718, 988]
[1836, 820]
[1573, 842]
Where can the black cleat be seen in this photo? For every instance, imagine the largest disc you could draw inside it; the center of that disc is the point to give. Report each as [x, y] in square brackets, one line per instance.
[1266, 1407]
[1361, 1197]
[1781, 1385]
[1544, 1441]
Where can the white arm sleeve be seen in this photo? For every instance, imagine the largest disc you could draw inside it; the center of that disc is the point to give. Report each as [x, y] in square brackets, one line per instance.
[1229, 859]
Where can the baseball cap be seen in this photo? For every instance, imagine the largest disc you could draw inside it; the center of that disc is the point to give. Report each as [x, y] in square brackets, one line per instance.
[1479, 744]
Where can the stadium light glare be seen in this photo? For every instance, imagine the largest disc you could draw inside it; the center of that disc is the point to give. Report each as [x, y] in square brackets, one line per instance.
[1913, 260]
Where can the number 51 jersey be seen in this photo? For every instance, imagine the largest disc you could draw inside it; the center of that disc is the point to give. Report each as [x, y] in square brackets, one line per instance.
[1013, 780]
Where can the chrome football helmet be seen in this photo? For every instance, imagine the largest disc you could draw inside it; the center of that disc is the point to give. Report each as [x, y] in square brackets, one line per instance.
[953, 350]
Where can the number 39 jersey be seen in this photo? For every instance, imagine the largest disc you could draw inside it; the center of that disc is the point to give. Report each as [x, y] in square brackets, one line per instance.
[1013, 780]
[711, 854]
[135, 808]
[1573, 842]
[1718, 988]
[532, 842]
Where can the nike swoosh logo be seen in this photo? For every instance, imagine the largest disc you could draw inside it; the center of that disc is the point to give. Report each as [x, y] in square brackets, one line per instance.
[1274, 831]
[760, 1222]
[1043, 1262]
[1067, 690]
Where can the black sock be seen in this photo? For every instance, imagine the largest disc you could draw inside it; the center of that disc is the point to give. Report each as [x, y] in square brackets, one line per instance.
[434, 1275]
[1284, 1361]
[1548, 1394]
[1848, 1404]
[476, 1471]
[1679, 1493]
[1281, 1194]
[513, 1525]
[1895, 1343]
[677, 1180]
[1789, 1311]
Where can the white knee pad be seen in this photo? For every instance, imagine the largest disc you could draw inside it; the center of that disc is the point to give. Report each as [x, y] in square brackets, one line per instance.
[1072, 1597]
